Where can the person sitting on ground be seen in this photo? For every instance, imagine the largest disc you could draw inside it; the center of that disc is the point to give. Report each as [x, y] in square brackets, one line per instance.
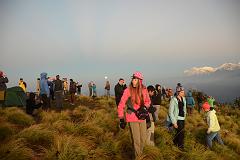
[31, 104]
[213, 131]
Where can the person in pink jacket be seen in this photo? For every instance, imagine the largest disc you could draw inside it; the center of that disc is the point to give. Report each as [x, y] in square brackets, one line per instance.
[138, 96]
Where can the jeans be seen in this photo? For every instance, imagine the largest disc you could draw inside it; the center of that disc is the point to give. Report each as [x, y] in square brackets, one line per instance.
[211, 136]
[179, 137]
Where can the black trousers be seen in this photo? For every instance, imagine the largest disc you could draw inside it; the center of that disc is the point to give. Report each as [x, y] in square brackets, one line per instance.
[46, 101]
[179, 137]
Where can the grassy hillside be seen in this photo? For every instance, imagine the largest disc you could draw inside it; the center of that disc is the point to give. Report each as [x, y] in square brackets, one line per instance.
[90, 131]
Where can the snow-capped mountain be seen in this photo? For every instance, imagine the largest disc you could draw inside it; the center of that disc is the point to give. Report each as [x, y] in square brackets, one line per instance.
[208, 70]
[229, 67]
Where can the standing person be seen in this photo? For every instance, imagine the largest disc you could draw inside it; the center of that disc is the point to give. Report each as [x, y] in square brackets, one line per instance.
[23, 85]
[190, 103]
[44, 91]
[107, 89]
[38, 87]
[94, 90]
[119, 89]
[153, 118]
[3, 87]
[50, 84]
[79, 88]
[137, 94]
[211, 101]
[200, 99]
[213, 125]
[58, 92]
[177, 115]
[164, 93]
[169, 93]
[90, 87]
[72, 91]
[157, 100]
[65, 86]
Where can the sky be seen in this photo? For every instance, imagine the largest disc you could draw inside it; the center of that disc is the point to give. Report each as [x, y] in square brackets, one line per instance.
[88, 40]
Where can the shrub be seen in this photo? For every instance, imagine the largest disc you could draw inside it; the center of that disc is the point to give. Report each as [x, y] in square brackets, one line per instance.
[15, 149]
[66, 148]
[37, 136]
[20, 118]
[6, 131]
[52, 116]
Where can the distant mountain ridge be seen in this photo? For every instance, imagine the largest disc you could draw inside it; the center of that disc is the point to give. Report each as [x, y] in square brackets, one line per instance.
[209, 70]
[222, 82]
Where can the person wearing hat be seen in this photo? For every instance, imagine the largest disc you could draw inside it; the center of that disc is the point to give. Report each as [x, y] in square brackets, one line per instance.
[213, 125]
[136, 95]
[3, 87]
[176, 115]
[211, 101]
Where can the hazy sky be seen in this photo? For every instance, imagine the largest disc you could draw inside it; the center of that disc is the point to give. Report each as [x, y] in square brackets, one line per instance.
[87, 40]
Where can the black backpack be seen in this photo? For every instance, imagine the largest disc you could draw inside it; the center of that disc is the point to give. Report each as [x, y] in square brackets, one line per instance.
[141, 113]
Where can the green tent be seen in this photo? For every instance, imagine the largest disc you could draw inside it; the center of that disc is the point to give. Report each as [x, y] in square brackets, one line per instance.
[15, 96]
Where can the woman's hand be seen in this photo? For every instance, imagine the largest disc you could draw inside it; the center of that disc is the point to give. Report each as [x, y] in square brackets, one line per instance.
[175, 125]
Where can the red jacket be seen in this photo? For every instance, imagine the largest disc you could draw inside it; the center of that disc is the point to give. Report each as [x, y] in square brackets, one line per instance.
[132, 117]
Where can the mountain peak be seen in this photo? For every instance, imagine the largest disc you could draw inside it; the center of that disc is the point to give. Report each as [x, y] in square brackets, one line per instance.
[229, 67]
[208, 70]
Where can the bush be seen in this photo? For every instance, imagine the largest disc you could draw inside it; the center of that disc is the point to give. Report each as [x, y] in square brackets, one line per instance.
[5, 131]
[20, 118]
[52, 116]
[15, 150]
[151, 153]
[37, 136]
[66, 148]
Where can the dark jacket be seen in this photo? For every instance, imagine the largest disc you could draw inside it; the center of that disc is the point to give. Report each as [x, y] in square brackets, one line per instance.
[3, 81]
[31, 104]
[157, 98]
[58, 85]
[73, 87]
[118, 89]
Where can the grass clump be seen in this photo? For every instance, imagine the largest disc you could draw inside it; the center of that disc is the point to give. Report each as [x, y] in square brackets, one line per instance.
[15, 150]
[20, 118]
[6, 131]
[37, 136]
[65, 148]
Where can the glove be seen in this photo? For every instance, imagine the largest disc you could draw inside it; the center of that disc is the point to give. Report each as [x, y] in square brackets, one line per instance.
[122, 123]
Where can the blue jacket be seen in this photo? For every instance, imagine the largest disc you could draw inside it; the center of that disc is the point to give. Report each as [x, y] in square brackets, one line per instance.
[174, 111]
[190, 99]
[44, 89]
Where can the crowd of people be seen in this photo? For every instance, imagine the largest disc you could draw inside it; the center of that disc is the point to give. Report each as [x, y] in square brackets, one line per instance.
[139, 98]
[137, 105]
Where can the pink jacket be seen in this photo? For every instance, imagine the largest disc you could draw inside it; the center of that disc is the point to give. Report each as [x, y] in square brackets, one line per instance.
[132, 117]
